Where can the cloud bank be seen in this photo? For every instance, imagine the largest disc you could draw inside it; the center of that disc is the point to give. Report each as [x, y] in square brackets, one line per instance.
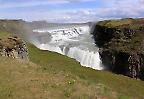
[109, 9]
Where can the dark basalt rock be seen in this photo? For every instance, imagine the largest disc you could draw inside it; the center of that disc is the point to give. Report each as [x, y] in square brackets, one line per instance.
[121, 44]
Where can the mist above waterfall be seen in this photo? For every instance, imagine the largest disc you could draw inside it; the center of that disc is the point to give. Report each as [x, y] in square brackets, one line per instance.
[72, 40]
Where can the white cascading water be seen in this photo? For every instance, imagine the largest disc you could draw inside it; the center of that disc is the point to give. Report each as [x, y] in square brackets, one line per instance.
[73, 41]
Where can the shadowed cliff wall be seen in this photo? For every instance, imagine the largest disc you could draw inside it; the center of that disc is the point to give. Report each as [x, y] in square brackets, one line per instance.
[121, 44]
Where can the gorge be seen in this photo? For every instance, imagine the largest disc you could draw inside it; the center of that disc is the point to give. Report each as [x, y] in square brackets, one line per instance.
[74, 41]
[114, 45]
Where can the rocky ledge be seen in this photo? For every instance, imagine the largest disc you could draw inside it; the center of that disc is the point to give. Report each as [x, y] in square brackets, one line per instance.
[13, 47]
[121, 44]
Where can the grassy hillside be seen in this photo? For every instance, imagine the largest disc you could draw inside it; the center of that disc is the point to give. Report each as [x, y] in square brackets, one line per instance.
[49, 75]
[25, 80]
[59, 77]
[54, 63]
[3, 34]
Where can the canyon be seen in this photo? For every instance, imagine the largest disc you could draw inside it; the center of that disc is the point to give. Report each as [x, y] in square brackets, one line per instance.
[74, 41]
[113, 45]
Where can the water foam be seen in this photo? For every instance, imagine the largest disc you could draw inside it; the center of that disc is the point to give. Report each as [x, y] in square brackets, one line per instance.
[75, 42]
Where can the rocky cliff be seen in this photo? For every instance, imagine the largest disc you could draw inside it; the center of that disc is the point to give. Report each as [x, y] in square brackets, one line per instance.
[121, 45]
[13, 47]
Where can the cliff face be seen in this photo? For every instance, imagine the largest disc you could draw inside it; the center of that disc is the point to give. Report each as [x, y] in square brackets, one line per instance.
[13, 47]
[121, 45]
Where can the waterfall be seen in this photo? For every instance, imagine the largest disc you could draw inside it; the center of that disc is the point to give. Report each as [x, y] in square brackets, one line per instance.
[73, 41]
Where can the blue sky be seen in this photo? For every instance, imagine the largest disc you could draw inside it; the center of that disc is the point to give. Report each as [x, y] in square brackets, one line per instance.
[70, 10]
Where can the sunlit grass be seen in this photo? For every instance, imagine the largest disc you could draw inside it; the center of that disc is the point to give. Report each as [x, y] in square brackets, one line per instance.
[53, 62]
[3, 34]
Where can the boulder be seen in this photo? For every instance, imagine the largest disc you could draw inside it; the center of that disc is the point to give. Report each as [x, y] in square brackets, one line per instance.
[13, 47]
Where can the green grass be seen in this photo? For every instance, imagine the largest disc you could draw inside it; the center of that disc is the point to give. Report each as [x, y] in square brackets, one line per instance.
[133, 23]
[114, 23]
[53, 62]
[25, 80]
[59, 77]
[3, 34]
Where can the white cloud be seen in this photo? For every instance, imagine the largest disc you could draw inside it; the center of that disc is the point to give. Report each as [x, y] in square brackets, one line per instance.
[31, 3]
[112, 9]
[28, 3]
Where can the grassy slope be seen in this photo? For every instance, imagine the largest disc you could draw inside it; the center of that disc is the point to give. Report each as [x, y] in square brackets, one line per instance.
[134, 23]
[61, 78]
[3, 34]
[25, 81]
[54, 63]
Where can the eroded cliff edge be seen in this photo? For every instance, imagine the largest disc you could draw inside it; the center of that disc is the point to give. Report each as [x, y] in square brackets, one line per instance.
[121, 44]
[13, 47]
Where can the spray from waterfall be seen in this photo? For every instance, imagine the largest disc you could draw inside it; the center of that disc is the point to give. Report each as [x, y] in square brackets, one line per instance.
[72, 40]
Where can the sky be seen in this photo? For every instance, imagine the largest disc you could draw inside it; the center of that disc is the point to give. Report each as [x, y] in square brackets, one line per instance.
[70, 10]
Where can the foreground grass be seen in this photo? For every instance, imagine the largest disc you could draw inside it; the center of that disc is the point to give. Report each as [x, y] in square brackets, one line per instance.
[3, 34]
[59, 77]
[54, 63]
[23, 80]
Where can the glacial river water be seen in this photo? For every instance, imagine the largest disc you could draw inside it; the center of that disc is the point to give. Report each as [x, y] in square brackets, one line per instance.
[73, 41]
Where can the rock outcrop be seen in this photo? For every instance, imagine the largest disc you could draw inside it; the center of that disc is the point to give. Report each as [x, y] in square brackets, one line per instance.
[13, 47]
[121, 45]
